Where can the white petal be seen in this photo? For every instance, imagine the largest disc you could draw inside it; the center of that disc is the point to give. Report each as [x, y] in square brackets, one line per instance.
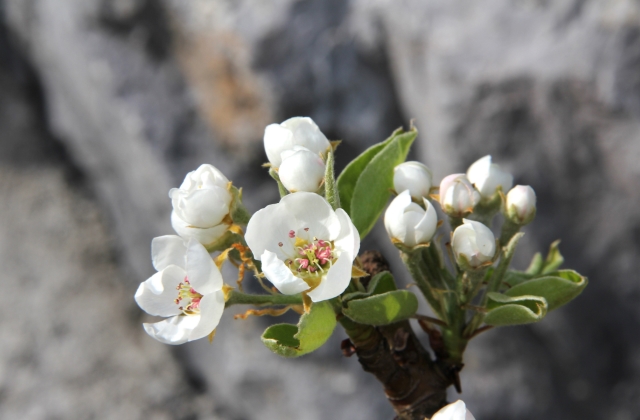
[348, 239]
[269, 227]
[173, 330]
[394, 216]
[202, 272]
[336, 280]
[204, 236]
[487, 177]
[208, 176]
[276, 140]
[280, 275]
[307, 134]
[414, 176]
[312, 212]
[211, 308]
[485, 241]
[202, 208]
[156, 295]
[453, 411]
[168, 250]
[427, 226]
[301, 170]
[447, 182]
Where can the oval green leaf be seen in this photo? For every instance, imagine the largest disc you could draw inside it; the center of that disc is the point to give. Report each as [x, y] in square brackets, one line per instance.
[383, 309]
[312, 331]
[507, 310]
[557, 288]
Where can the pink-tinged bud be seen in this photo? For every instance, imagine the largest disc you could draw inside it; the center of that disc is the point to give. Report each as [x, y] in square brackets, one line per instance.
[457, 195]
[521, 204]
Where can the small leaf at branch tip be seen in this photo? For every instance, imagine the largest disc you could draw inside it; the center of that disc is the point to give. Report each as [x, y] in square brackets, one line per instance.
[211, 335]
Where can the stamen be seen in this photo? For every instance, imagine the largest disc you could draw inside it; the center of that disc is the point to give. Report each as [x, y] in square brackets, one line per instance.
[280, 244]
[292, 234]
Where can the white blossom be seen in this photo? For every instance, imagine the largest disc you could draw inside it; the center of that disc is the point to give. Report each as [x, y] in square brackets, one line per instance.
[201, 205]
[457, 195]
[487, 177]
[304, 245]
[521, 204]
[454, 411]
[301, 170]
[473, 243]
[187, 289]
[296, 131]
[412, 176]
[409, 223]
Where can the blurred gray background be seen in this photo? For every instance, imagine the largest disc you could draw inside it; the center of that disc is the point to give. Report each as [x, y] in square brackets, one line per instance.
[106, 104]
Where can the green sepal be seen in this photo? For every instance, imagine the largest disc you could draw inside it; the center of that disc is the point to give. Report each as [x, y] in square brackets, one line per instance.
[380, 283]
[225, 241]
[557, 288]
[382, 309]
[330, 186]
[312, 331]
[550, 264]
[238, 212]
[507, 310]
[365, 184]
[281, 189]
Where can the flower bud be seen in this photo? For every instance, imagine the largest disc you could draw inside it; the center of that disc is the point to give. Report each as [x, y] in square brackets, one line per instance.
[521, 204]
[473, 244]
[454, 411]
[301, 170]
[408, 223]
[296, 131]
[457, 195]
[412, 176]
[201, 205]
[487, 177]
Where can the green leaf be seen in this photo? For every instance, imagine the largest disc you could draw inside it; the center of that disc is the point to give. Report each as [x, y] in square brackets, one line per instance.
[382, 309]
[238, 212]
[536, 265]
[380, 283]
[373, 187]
[312, 331]
[507, 310]
[557, 288]
[349, 176]
[330, 186]
[554, 259]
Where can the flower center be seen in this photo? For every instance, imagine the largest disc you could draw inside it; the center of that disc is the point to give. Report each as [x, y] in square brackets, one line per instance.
[315, 257]
[188, 299]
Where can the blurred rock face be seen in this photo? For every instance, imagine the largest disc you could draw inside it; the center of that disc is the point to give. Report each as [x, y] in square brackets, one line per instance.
[140, 92]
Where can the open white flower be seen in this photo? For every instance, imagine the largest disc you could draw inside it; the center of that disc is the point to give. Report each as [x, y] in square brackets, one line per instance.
[409, 223]
[304, 245]
[187, 288]
[296, 131]
[412, 176]
[487, 177]
[521, 204]
[454, 411]
[457, 195]
[473, 244]
[301, 170]
[201, 205]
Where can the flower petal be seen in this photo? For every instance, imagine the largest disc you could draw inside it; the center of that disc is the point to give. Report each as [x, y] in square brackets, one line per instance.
[276, 140]
[205, 236]
[301, 170]
[453, 411]
[428, 225]
[393, 217]
[348, 239]
[175, 330]
[313, 215]
[202, 208]
[211, 308]
[202, 272]
[280, 275]
[167, 250]
[269, 227]
[306, 133]
[156, 295]
[336, 280]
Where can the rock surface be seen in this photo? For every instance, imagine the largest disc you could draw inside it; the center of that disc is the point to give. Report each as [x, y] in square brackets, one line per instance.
[142, 91]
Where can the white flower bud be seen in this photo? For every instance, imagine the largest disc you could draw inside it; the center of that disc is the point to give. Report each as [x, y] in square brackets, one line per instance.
[201, 205]
[487, 177]
[301, 170]
[473, 244]
[521, 204]
[454, 411]
[409, 223]
[457, 195]
[296, 131]
[412, 176]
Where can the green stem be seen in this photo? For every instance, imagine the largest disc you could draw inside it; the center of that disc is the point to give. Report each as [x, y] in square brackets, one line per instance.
[236, 297]
[508, 230]
[413, 262]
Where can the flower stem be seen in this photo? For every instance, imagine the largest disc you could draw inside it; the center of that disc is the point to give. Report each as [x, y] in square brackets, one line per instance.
[236, 297]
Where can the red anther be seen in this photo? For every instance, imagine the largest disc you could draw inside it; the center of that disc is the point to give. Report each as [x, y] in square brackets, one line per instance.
[292, 234]
[306, 229]
[279, 243]
[312, 269]
[192, 290]
[304, 263]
